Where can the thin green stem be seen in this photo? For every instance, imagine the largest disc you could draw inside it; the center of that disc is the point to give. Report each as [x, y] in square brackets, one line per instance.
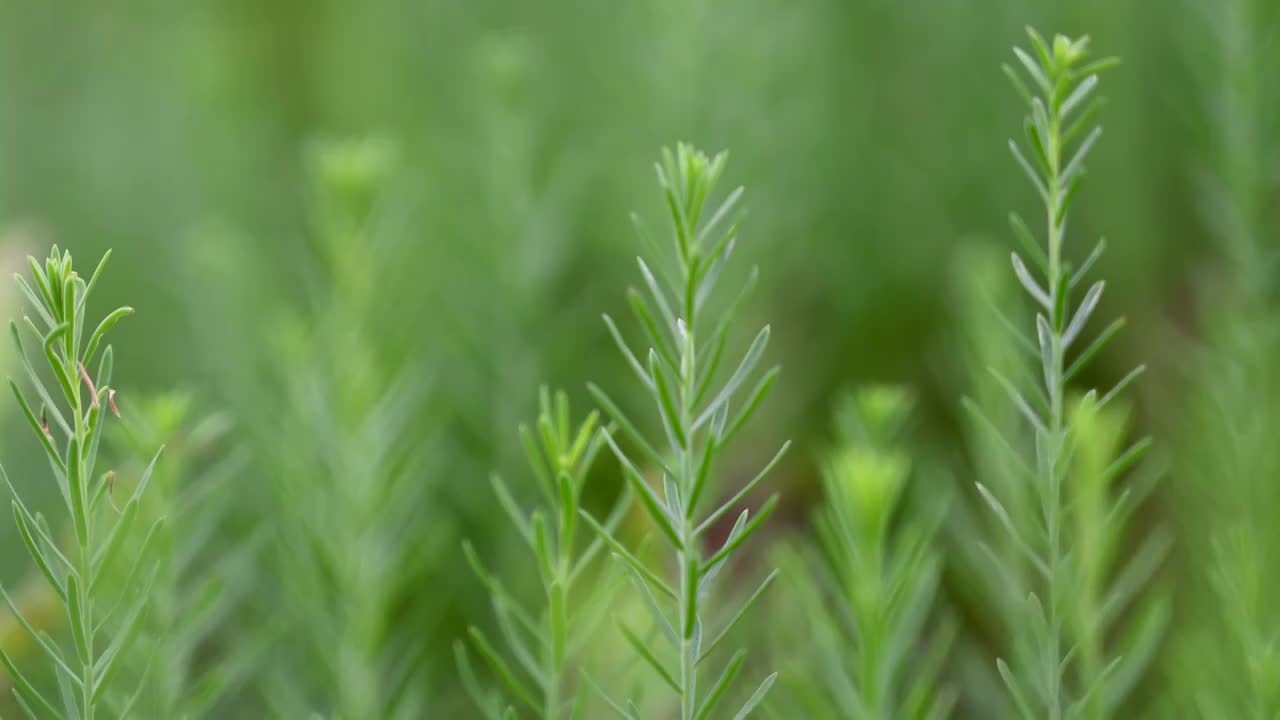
[1053, 442]
[78, 480]
[551, 691]
[552, 683]
[88, 676]
[696, 433]
[1066, 89]
[690, 560]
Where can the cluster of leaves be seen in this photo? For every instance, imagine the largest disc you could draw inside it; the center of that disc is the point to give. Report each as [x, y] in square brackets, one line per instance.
[1062, 663]
[867, 596]
[103, 624]
[545, 642]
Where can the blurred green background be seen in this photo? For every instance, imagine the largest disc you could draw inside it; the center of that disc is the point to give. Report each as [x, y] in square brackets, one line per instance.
[509, 143]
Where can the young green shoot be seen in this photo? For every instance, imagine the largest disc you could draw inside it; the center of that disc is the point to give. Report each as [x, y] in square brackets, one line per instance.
[196, 662]
[68, 426]
[1061, 668]
[537, 668]
[701, 402]
[867, 595]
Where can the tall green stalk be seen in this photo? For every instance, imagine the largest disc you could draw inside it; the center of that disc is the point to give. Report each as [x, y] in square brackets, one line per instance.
[545, 643]
[687, 345]
[103, 625]
[868, 590]
[1061, 87]
[357, 478]
[1061, 650]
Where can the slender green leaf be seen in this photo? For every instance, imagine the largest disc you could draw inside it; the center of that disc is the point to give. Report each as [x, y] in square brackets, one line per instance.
[657, 510]
[757, 697]
[99, 332]
[752, 526]
[732, 502]
[643, 651]
[501, 669]
[653, 579]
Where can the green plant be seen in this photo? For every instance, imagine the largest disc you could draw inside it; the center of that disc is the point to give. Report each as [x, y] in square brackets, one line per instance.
[867, 595]
[988, 569]
[1064, 666]
[680, 371]
[196, 659]
[103, 625]
[560, 457]
[354, 476]
[1119, 610]
[1224, 424]
[1244, 681]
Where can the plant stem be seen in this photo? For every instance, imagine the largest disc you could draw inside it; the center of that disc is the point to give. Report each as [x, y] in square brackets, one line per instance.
[84, 565]
[678, 385]
[555, 665]
[1055, 440]
[688, 649]
[551, 688]
[689, 555]
[88, 677]
[873, 660]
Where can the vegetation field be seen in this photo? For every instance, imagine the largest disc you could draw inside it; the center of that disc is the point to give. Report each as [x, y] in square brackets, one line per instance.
[656, 360]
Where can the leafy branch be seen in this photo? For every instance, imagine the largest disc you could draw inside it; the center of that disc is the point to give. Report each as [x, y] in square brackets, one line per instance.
[103, 625]
[1071, 547]
[198, 658]
[543, 643]
[867, 596]
[680, 372]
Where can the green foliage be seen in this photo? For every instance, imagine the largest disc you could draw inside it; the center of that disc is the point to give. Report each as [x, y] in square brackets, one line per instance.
[867, 597]
[680, 372]
[1224, 420]
[545, 643]
[340, 560]
[370, 324]
[1062, 662]
[1246, 683]
[104, 625]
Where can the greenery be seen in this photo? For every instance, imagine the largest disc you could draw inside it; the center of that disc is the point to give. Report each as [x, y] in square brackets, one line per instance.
[361, 236]
[560, 458]
[694, 398]
[103, 626]
[1063, 667]
[869, 594]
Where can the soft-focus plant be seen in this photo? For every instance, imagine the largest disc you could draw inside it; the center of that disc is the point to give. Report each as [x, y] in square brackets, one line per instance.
[1119, 611]
[122, 126]
[1063, 663]
[868, 594]
[545, 643]
[346, 466]
[987, 305]
[69, 426]
[700, 418]
[198, 657]
[1227, 458]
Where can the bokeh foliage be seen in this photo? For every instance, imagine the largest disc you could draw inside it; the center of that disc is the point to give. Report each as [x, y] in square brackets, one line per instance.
[492, 153]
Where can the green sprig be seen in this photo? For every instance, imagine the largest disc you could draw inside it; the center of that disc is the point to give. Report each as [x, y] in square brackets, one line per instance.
[687, 343]
[88, 673]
